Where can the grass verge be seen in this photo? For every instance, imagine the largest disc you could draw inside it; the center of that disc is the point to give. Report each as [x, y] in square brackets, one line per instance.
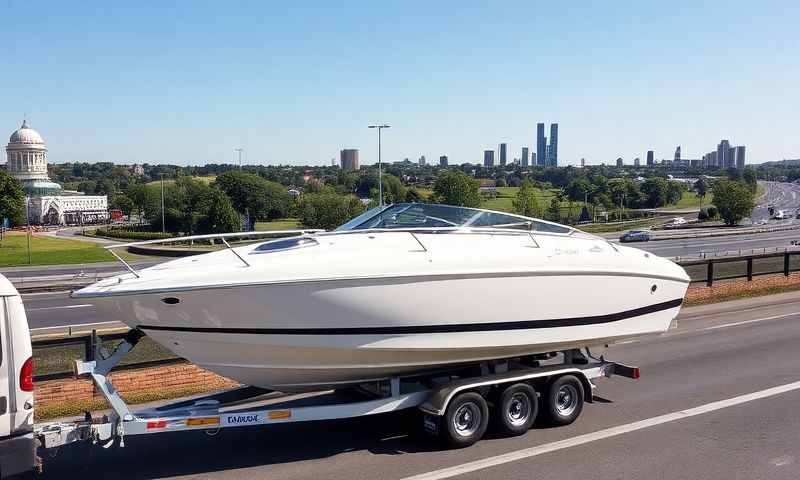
[46, 250]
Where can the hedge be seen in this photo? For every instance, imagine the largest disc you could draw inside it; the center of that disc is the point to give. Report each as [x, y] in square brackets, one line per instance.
[130, 235]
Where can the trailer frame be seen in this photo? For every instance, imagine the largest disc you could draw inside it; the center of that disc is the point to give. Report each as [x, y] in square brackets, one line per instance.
[253, 406]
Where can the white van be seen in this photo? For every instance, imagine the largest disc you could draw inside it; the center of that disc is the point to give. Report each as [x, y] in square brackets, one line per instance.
[17, 445]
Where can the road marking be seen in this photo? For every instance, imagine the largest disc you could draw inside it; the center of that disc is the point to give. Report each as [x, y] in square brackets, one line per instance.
[59, 307]
[745, 322]
[602, 434]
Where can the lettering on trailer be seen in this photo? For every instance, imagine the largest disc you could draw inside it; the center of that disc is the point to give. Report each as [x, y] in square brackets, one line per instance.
[242, 419]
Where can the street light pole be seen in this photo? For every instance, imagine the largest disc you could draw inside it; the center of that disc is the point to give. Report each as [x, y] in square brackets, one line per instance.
[380, 164]
[163, 225]
[28, 227]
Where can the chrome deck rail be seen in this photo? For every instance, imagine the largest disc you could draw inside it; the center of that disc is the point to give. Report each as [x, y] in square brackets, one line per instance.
[212, 236]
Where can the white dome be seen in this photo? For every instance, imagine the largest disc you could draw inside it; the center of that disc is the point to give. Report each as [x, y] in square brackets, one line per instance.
[26, 135]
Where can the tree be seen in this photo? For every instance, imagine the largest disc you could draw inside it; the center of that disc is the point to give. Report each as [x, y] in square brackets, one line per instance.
[251, 193]
[733, 200]
[327, 209]
[413, 196]
[554, 210]
[750, 179]
[578, 189]
[456, 188]
[701, 187]
[655, 191]
[122, 202]
[12, 199]
[674, 192]
[221, 217]
[525, 202]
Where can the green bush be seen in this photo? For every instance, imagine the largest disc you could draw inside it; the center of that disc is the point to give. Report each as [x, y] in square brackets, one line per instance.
[130, 235]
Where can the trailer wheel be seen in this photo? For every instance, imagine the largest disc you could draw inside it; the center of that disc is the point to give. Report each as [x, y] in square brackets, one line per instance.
[465, 420]
[564, 400]
[516, 409]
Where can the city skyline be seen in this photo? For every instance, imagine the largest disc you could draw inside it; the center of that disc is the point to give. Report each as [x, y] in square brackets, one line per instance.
[135, 84]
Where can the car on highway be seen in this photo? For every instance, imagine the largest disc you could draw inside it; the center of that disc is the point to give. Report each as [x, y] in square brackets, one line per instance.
[781, 215]
[676, 222]
[17, 443]
[635, 236]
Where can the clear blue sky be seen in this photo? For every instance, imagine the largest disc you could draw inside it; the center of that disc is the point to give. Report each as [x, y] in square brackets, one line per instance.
[187, 82]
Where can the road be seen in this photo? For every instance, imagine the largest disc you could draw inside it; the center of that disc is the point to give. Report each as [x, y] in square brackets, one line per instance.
[718, 352]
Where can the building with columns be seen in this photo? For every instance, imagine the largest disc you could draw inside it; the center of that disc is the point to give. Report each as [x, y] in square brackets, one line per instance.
[48, 203]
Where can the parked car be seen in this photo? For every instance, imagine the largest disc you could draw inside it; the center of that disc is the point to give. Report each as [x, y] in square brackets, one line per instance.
[17, 444]
[635, 236]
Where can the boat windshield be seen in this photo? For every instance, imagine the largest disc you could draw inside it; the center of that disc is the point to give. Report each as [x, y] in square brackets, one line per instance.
[427, 215]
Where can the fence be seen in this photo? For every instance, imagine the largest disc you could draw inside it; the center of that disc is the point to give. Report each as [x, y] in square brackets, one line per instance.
[54, 358]
[709, 268]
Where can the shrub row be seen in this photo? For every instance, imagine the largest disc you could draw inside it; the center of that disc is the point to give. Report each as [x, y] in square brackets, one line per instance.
[128, 234]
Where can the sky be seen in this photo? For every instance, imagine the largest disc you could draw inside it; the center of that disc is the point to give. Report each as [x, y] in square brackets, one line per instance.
[187, 82]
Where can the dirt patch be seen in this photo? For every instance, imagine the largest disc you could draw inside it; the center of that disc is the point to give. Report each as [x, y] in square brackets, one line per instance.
[720, 292]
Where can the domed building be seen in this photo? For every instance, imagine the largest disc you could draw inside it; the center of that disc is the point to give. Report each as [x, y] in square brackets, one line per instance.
[48, 203]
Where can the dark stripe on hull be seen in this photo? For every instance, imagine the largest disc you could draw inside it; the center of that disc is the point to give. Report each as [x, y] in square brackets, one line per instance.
[447, 328]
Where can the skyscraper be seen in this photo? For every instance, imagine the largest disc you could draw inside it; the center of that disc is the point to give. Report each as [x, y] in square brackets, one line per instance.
[740, 156]
[541, 144]
[524, 158]
[488, 158]
[619, 162]
[553, 156]
[731, 158]
[349, 159]
[637, 162]
[583, 162]
[677, 154]
[422, 161]
[443, 161]
[533, 159]
[502, 150]
[722, 153]
[650, 160]
[547, 155]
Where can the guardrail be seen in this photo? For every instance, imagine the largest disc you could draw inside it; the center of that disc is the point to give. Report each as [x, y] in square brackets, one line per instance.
[708, 268]
[56, 356]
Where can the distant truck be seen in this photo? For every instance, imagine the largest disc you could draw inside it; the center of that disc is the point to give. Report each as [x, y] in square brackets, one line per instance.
[781, 215]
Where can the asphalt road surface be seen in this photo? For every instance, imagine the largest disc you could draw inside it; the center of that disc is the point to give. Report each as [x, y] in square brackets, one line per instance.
[718, 354]
[783, 196]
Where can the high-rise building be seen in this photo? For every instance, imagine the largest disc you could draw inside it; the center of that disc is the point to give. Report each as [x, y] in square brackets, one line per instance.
[553, 155]
[524, 158]
[547, 155]
[731, 158]
[488, 158]
[502, 150]
[443, 161]
[712, 159]
[541, 144]
[677, 154]
[583, 162]
[619, 162]
[650, 160]
[533, 159]
[333, 162]
[740, 157]
[637, 162]
[422, 161]
[722, 153]
[349, 159]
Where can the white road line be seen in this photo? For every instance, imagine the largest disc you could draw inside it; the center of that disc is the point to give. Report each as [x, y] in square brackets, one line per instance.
[59, 307]
[602, 434]
[37, 294]
[745, 322]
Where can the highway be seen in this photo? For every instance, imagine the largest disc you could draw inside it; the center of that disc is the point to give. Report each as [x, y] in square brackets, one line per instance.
[650, 428]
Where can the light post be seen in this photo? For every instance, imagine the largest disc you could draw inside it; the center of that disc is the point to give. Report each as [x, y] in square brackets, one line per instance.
[28, 227]
[239, 151]
[163, 225]
[380, 165]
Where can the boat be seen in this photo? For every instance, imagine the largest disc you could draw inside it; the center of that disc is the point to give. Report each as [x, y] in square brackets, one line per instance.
[400, 289]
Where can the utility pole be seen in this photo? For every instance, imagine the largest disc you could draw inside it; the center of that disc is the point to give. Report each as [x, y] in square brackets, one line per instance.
[380, 167]
[28, 228]
[163, 225]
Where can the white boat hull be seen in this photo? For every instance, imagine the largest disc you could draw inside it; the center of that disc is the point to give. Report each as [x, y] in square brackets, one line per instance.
[316, 334]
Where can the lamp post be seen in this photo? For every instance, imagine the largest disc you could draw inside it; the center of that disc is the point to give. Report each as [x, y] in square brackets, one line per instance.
[28, 227]
[163, 225]
[380, 166]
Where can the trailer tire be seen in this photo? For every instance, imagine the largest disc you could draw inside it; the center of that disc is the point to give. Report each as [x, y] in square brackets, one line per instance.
[465, 420]
[564, 400]
[516, 409]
